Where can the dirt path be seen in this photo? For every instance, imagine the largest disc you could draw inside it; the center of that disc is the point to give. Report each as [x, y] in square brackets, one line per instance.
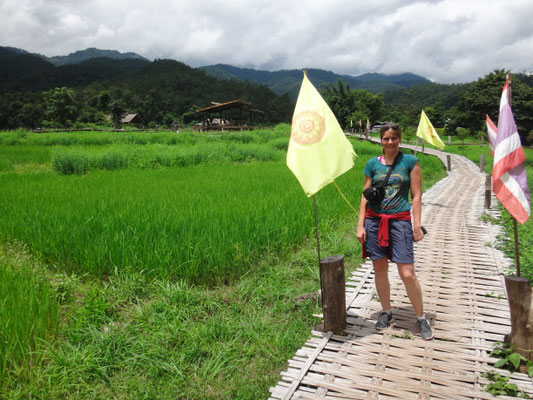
[462, 281]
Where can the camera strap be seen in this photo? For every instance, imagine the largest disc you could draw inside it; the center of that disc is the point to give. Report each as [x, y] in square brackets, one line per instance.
[391, 167]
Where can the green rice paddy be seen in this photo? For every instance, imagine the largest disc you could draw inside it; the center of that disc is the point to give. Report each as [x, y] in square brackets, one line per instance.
[163, 265]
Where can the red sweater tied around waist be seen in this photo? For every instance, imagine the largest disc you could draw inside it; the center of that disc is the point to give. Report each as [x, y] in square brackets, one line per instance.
[383, 229]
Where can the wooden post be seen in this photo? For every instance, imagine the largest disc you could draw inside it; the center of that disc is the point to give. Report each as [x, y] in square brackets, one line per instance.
[333, 294]
[449, 162]
[482, 163]
[449, 140]
[488, 190]
[519, 294]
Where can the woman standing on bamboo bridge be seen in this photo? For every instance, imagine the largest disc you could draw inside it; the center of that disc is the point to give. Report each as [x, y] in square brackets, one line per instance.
[385, 228]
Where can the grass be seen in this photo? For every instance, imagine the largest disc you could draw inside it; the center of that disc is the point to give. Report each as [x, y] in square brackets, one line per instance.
[173, 282]
[131, 337]
[80, 160]
[203, 223]
[28, 314]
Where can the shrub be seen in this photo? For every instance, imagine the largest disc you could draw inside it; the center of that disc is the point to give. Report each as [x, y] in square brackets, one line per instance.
[112, 160]
[279, 144]
[68, 163]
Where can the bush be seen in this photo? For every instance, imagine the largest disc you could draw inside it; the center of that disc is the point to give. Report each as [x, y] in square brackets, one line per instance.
[279, 144]
[112, 160]
[68, 163]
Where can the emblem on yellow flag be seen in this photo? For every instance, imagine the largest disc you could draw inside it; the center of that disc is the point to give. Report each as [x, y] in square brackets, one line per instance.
[318, 149]
[428, 133]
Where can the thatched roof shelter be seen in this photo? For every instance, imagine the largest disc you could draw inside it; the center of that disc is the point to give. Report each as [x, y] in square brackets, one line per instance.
[235, 119]
[132, 119]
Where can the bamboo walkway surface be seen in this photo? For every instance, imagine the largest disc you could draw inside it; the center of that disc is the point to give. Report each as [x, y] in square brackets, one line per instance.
[464, 297]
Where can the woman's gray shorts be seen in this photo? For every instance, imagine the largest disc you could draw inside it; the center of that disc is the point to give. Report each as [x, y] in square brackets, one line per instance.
[400, 249]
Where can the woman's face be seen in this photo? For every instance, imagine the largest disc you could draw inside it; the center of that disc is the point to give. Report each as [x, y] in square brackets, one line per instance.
[390, 141]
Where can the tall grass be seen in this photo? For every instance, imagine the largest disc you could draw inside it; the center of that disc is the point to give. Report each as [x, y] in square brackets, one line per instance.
[140, 138]
[197, 223]
[205, 223]
[28, 315]
[79, 160]
[12, 158]
[142, 332]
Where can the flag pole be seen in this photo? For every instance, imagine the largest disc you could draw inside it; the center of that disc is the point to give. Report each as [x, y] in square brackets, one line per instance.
[516, 252]
[321, 296]
[515, 226]
[316, 230]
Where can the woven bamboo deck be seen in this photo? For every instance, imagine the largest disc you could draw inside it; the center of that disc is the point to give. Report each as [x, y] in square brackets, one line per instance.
[464, 297]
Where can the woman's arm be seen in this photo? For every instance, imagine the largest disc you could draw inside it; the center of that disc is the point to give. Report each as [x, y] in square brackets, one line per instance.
[416, 196]
[361, 232]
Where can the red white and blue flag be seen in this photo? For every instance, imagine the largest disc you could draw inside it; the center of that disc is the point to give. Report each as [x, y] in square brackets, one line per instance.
[509, 171]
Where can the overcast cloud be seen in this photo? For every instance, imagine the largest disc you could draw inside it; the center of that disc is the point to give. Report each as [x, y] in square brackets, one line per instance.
[446, 41]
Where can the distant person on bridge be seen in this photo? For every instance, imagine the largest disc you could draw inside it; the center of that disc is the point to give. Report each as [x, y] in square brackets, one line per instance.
[385, 228]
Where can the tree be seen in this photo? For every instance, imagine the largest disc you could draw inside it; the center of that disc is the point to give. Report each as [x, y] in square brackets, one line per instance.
[353, 105]
[117, 113]
[60, 106]
[31, 115]
[483, 97]
[104, 98]
[191, 116]
[435, 113]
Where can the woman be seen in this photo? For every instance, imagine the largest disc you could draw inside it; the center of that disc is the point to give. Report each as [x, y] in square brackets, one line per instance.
[385, 229]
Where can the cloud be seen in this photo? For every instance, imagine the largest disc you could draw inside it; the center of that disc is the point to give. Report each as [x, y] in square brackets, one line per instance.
[446, 41]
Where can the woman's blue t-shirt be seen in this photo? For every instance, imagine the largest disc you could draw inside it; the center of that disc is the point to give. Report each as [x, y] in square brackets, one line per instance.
[397, 190]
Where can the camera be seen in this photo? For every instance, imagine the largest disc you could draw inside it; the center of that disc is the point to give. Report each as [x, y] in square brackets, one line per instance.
[374, 194]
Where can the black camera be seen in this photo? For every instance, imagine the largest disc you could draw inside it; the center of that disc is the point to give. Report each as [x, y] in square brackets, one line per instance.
[374, 194]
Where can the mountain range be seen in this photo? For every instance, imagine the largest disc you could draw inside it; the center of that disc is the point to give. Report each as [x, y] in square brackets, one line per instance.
[85, 66]
[288, 81]
[82, 55]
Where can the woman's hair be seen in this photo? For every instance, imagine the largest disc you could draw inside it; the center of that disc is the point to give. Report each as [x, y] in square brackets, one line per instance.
[392, 127]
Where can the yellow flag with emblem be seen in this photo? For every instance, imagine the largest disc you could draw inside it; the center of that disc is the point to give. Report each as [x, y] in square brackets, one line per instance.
[428, 133]
[318, 149]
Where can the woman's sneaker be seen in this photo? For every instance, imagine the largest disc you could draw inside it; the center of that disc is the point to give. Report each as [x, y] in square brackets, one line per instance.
[384, 319]
[425, 329]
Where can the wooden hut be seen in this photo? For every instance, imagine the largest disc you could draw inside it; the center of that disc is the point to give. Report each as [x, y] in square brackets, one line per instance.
[132, 119]
[231, 115]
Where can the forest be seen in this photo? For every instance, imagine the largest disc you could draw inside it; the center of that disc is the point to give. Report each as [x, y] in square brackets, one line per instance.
[35, 93]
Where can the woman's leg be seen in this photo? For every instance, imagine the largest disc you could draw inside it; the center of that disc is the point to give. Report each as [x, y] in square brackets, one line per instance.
[412, 286]
[381, 277]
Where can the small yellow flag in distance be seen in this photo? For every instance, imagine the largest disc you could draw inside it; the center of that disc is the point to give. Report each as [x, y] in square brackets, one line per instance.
[428, 133]
[318, 149]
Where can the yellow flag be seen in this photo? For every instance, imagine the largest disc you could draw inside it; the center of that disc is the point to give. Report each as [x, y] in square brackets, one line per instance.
[318, 150]
[428, 133]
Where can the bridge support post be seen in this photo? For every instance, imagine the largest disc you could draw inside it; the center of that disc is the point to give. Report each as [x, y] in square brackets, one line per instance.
[520, 296]
[488, 190]
[333, 294]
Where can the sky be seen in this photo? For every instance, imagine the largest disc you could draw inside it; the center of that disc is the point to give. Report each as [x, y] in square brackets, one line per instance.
[447, 41]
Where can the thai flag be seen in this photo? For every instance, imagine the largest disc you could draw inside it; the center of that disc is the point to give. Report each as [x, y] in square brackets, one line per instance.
[509, 172]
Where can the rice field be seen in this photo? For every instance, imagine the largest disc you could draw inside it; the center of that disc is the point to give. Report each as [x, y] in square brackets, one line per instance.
[28, 315]
[182, 271]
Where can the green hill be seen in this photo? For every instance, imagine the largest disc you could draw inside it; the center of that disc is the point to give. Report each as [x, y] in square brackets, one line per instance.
[90, 53]
[288, 81]
[161, 91]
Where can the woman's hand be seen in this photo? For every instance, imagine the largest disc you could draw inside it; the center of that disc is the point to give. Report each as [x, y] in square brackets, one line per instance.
[418, 234]
[361, 234]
